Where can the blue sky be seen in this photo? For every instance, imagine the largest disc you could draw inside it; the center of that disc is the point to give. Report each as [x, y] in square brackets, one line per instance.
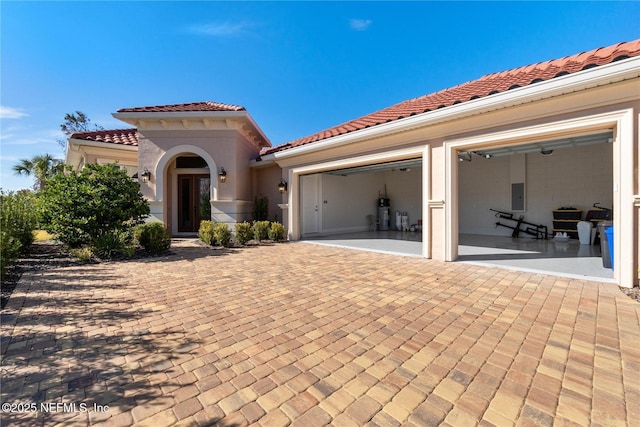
[298, 67]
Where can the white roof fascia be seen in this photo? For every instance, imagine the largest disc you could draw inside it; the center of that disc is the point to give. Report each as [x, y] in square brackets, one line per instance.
[101, 144]
[243, 115]
[177, 115]
[264, 161]
[598, 76]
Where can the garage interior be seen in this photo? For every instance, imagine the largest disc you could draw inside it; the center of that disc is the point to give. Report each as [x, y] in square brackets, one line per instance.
[531, 180]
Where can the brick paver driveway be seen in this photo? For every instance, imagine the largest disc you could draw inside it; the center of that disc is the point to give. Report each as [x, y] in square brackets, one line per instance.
[306, 335]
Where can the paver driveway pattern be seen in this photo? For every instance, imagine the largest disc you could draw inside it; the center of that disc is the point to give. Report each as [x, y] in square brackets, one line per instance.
[305, 335]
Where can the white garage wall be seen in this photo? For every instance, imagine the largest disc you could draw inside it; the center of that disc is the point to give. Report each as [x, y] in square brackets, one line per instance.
[483, 184]
[405, 191]
[347, 200]
[570, 177]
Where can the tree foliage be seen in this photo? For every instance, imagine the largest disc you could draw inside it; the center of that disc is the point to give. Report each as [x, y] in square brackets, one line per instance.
[80, 206]
[76, 122]
[17, 222]
[42, 167]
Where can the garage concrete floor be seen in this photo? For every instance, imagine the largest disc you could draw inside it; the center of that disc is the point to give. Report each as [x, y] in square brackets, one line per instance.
[569, 259]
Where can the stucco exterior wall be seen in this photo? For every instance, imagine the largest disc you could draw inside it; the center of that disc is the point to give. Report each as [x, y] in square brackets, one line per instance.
[220, 144]
[266, 180]
[221, 148]
[592, 110]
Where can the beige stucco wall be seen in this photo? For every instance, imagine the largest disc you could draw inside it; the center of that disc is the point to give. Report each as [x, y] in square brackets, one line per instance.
[221, 148]
[265, 183]
[220, 144]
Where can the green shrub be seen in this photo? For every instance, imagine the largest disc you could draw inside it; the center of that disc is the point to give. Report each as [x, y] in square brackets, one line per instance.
[18, 220]
[261, 230]
[84, 254]
[112, 242]
[9, 251]
[276, 232]
[260, 208]
[153, 237]
[206, 232]
[244, 232]
[222, 234]
[79, 206]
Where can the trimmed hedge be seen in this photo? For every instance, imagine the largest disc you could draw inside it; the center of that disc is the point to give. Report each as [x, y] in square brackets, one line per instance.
[261, 230]
[277, 232]
[214, 233]
[218, 233]
[244, 232]
[206, 232]
[153, 237]
[223, 234]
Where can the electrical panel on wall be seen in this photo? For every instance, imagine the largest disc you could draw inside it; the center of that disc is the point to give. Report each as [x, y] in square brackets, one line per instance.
[517, 177]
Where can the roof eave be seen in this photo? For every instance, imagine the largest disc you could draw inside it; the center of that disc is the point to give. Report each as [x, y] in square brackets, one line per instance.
[136, 118]
[103, 144]
[132, 117]
[597, 76]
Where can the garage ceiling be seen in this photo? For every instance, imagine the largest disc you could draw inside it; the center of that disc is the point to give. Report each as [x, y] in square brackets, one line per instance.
[400, 165]
[544, 147]
[547, 146]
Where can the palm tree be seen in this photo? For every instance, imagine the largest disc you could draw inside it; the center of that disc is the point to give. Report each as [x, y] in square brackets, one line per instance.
[42, 167]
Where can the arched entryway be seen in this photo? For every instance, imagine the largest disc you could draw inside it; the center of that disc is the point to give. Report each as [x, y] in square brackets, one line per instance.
[186, 188]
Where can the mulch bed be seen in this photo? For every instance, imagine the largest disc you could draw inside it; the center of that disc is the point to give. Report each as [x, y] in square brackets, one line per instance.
[42, 255]
[633, 293]
[49, 254]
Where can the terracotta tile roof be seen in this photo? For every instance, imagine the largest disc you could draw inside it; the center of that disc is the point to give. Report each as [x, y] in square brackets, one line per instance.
[193, 106]
[484, 86]
[115, 136]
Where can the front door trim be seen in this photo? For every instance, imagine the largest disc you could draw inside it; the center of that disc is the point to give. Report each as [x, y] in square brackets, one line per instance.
[194, 211]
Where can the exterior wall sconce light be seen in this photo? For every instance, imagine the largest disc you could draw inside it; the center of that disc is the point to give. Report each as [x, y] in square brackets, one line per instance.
[146, 175]
[282, 187]
[222, 175]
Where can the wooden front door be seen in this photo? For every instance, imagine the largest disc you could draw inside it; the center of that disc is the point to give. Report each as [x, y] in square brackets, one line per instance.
[194, 194]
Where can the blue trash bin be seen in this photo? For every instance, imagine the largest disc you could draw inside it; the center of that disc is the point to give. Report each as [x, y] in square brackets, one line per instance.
[609, 233]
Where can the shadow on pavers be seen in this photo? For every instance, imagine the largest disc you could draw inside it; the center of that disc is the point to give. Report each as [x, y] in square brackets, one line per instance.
[73, 347]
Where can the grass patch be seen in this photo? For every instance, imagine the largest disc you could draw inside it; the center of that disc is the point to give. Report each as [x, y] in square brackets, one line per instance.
[41, 235]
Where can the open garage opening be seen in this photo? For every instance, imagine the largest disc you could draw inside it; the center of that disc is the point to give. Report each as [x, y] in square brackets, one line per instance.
[374, 207]
[514, 200]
